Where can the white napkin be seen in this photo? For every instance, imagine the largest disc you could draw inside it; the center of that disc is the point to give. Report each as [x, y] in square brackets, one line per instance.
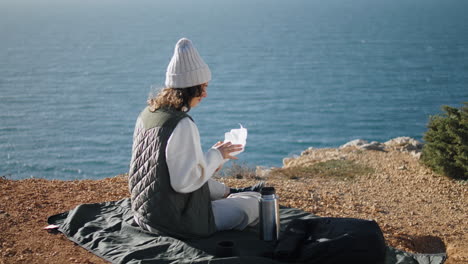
[237, 136]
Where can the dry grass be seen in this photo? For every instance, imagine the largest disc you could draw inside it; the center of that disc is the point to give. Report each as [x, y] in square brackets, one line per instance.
[340, 169]
[239, 171]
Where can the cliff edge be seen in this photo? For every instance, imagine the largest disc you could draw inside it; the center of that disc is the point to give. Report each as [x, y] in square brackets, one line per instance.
[417, 210]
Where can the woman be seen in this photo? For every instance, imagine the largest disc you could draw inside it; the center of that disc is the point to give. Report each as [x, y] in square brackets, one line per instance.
[170, 177]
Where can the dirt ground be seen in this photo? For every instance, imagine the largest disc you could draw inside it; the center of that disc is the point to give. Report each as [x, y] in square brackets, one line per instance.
[417, 210]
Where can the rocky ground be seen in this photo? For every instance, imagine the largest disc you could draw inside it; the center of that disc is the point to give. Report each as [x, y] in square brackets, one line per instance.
[417, 210]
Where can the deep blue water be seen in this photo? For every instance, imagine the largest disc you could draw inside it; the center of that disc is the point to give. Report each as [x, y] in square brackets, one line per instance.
[75, 74]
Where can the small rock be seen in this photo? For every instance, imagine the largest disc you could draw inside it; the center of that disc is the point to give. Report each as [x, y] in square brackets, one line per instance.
[286, 161]
[415, 154]
[9, 253]
[27, 251]
[290, 159]
[374, 145]
[355, 143]
[4, 215]
[307, 151]
[262, 172]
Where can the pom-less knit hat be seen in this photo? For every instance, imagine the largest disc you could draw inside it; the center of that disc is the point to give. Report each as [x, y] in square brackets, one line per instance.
[186, 68]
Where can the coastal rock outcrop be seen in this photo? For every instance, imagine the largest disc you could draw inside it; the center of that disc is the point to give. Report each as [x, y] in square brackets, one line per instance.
[403, 144]
[314, 155]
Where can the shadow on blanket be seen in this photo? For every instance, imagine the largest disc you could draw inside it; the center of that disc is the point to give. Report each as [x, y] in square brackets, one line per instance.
[107, 230]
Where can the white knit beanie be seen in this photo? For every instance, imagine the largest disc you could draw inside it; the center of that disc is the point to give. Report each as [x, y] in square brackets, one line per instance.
[186, 68]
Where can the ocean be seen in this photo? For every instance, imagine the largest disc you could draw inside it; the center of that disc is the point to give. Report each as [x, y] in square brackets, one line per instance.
[74, 75]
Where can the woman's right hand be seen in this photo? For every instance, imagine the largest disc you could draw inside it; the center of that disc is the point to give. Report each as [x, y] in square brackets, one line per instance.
[227, 148]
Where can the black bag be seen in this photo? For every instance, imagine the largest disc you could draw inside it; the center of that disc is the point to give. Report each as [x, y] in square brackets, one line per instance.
[332, 241]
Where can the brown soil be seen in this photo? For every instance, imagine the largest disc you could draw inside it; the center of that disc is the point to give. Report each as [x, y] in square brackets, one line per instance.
[417, 210]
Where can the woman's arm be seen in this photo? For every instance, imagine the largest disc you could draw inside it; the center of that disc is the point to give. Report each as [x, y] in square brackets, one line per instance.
[189, 167]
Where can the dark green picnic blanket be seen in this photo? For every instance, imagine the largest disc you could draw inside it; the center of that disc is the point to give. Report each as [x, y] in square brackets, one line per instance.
[107, 230]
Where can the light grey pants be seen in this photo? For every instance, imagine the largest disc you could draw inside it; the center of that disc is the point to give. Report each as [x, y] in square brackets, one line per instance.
[237, 211]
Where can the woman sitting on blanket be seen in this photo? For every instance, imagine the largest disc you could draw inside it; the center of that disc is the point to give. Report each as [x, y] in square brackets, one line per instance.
[170, 177]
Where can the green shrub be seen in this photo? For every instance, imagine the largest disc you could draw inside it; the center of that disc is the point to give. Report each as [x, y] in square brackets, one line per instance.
[446, 148]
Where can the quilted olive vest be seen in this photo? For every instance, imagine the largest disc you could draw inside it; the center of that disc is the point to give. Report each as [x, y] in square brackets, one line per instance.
[154, 202]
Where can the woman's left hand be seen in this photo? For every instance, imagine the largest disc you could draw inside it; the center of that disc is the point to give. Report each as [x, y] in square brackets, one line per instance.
[227, 148]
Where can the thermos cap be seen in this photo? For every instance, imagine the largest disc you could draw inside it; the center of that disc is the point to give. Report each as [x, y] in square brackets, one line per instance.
[268, 191]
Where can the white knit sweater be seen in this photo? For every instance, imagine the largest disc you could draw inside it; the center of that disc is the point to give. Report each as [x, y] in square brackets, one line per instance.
[189, 167]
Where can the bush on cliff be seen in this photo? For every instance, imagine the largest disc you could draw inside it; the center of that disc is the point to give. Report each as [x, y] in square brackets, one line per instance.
[446, 148]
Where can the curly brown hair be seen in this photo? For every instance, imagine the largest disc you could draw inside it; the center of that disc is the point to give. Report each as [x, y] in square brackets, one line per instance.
[176, 98]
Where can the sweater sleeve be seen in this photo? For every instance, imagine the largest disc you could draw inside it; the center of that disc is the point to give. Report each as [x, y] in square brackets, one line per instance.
[189, 167]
